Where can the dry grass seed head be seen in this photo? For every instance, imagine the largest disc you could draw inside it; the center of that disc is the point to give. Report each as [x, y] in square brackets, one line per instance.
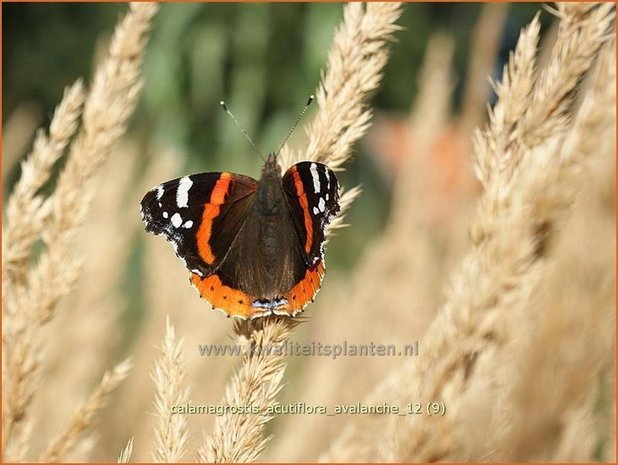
[503, 266]
[29, 305]
[238, 437]
[483, 53]
[83, 415]
[169, 377]
[24, 216]
[126, 452]
[96, 332]
[354, 70]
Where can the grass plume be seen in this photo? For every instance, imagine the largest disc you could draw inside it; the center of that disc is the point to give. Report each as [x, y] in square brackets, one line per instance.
[126, 452]
[25, 213]
[33, 290]
[530, 180]
[354, 70]
[239, 437]
[169, 377]
[84, 414]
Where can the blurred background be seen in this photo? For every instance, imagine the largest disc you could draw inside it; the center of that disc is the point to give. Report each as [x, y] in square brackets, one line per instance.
[388, 267]
[262, 59]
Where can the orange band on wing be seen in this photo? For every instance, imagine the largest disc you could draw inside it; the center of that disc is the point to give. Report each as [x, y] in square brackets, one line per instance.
[211, 211]
[238, 303]
[231, 301]
[302, 199]
[217, 196]
[303, 292]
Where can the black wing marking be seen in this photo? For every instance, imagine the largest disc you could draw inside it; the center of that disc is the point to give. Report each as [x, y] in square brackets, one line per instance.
[313, 199]
[186, 210]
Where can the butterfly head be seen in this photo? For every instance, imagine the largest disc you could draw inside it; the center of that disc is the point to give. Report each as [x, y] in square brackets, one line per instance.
[271, 168]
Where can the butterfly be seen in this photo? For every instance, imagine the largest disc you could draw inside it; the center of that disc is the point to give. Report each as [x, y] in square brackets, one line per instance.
[253, 247]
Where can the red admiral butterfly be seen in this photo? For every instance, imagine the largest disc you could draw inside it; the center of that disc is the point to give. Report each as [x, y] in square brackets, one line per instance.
[254, 247]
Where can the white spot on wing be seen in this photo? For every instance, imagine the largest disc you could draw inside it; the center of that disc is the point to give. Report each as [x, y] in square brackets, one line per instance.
[327, 181]
[159, 192]
[316, 177]
[166, 215]
[182, 194]
[315, 210]
[176, 220]
[187, 224]
[321, 205]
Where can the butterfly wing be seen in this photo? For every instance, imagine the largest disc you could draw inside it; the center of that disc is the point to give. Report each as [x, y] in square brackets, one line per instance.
[186, 210]
[312, 193]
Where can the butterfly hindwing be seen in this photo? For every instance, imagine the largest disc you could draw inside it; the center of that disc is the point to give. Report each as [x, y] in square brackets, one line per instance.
[313, 199]
[185, 211]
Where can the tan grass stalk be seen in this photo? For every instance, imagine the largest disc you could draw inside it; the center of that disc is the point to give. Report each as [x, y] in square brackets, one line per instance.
[486, 39]
[17, 133]
[583, 28]
[597, 111]
[581, 276]
[239, 437]
[513, 94]
[527, 190]
[21, 444]
[171, 434]
[560, 374]
[355, 64]
[253, 369]
[83, 449]
[112, 98]
[96, 331]
[530, 114]
[84, 414]
[126, 452]
[354, 70]
[31, 300]
[24, 216]
[528, 199]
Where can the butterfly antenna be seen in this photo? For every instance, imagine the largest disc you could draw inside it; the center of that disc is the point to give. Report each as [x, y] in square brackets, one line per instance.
[302, 113]
[229, 113]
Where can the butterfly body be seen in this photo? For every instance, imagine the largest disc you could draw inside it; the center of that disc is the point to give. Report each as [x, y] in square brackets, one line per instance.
[254, 247]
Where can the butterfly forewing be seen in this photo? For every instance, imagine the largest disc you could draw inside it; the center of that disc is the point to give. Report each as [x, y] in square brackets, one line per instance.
[186, 210]
[313, 199]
